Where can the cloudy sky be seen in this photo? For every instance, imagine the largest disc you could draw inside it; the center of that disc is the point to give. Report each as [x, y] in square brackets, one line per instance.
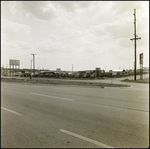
[85, 34]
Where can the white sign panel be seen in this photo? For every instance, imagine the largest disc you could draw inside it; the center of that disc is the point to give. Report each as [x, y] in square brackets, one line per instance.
[14, 62]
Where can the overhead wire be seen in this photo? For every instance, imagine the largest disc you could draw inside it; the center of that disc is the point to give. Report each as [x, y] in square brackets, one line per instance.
[80, 35]
[87, 27]
[82, 19]
[35, 8]
[92, 42]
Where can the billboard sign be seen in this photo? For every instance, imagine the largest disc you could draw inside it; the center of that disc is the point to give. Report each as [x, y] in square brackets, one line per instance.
[97, 69]
[58, 69]
[14, 62]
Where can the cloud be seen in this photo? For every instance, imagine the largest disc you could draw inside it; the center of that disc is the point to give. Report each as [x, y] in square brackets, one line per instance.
[8, 7]
[48, 46]
[71, 31]
[22, 45]
[13, 31]
[41, 11]
[67, 5]
[52, 38]
[125, 42]
[16, 47]
[126, 6]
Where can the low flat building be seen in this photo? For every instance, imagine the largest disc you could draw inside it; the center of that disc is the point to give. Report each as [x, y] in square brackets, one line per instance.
[117, 72]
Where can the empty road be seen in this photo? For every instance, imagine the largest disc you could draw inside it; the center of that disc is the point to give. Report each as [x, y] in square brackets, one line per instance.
[61, 116]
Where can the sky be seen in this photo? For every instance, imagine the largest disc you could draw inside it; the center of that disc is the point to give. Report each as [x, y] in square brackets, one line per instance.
[74, 35]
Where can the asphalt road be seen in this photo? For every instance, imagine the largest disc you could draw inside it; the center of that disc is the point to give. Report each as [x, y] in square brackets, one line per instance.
[62, 116]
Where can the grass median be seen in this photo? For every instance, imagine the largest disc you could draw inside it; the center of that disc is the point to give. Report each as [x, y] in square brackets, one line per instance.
[146, 80]
[61, 82]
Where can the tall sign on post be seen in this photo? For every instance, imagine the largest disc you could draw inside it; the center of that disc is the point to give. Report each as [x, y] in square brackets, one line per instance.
[33, 63]
[141, 66]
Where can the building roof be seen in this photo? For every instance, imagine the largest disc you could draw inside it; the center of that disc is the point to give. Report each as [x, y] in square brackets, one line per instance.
[119, 70]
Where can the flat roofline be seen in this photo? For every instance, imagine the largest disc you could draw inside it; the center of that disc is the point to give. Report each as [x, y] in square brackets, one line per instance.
[118, 70]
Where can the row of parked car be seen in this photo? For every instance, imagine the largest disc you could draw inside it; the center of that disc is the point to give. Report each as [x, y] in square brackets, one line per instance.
[55, 74]
[75, 74]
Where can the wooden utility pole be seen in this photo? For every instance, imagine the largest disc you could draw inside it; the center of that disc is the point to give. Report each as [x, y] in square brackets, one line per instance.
[135, 38]
[72, 68]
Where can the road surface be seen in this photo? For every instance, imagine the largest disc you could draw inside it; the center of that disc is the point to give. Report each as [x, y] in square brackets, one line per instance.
[61, 116]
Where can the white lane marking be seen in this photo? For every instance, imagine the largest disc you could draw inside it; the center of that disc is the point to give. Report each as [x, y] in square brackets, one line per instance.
[53, 96]
[86, 139]
[11, 111]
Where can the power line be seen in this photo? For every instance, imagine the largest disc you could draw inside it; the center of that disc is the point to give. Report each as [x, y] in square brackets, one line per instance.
[87, 43]
[87, 27]
[129, 14]
[35, 8]
[79, 18]
[85, 33]
[94, 41]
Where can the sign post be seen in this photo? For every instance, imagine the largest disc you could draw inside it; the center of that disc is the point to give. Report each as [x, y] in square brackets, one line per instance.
[141, 66]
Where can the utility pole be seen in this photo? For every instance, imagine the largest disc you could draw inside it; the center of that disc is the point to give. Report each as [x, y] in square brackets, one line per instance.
[72, 68]
[33, 63]
[135, 38]
[31, 70]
